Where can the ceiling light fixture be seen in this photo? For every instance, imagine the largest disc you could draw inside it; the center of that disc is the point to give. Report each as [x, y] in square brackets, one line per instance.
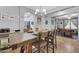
[41, 11]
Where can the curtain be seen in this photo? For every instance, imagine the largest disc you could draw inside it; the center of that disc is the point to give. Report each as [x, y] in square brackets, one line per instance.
[75, 22]
[65, 22]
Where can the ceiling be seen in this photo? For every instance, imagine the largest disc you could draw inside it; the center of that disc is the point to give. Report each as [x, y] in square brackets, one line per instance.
[56, 10]
[44, 7]
[49, 9]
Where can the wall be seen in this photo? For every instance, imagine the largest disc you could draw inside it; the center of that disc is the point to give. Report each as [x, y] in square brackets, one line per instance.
[50, 26]
[46, 26]
[18, 23]
[23, 10]
[13, 24]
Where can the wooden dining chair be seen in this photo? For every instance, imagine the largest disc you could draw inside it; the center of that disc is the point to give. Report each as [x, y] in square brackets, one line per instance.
[51, 41]
[46, 39]
[40, 42]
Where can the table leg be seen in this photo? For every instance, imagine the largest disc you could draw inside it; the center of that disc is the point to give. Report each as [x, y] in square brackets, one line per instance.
[29, 47]
[22, 49]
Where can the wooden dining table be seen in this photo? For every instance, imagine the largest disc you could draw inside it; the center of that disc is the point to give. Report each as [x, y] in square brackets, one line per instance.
[19, 39]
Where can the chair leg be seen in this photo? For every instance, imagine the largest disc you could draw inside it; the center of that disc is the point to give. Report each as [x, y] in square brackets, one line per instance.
[53, 46]
[39, 47]
[47, 48]
[39, 43]
[55, 43]
[53, 49]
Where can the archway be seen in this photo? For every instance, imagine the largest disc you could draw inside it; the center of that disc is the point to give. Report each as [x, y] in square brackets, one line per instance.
[29, 22]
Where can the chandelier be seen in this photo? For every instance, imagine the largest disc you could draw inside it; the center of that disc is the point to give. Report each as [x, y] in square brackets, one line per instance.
[41, 11]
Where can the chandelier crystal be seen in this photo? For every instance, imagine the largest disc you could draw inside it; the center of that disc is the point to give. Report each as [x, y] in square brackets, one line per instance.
[41, 11]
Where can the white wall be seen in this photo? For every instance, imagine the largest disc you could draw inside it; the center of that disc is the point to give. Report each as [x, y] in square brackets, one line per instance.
[13, 24]
[18, 23]
[48, 26]
[23, 10]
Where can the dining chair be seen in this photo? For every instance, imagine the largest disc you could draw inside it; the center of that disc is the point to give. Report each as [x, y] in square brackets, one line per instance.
[51, 41]
[40, 42]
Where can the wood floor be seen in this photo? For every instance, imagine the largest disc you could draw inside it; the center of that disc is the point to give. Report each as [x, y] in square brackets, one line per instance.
[64, 45]
[67, 45]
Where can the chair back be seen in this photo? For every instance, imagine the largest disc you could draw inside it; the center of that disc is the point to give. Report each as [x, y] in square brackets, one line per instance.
[44, 34]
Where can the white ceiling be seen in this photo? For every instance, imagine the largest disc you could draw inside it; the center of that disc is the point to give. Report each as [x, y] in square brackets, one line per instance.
[44, 7]
[70, 12]
[56, 10]
[49, 9]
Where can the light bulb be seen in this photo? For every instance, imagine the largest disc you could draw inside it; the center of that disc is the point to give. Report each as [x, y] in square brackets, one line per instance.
[44, 10]
[37, 10]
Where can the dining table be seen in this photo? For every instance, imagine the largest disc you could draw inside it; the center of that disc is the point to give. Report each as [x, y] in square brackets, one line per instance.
[16, 40]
